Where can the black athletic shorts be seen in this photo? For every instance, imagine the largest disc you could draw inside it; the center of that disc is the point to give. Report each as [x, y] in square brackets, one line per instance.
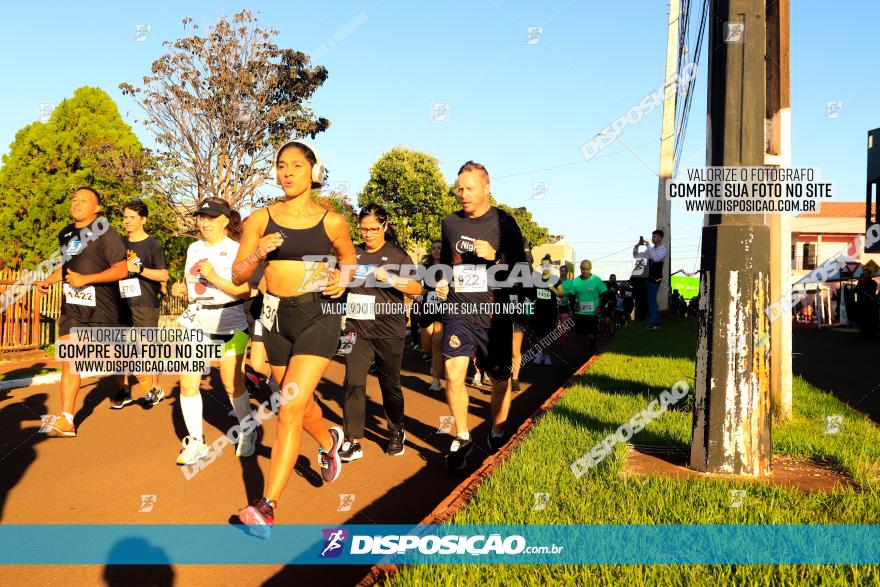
[142, 317]
[253, 309]
[66, 322]
[302, 328]
[492, 346]
[586, 324]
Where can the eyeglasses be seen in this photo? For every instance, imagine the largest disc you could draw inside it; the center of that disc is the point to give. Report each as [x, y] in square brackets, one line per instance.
[372, 230]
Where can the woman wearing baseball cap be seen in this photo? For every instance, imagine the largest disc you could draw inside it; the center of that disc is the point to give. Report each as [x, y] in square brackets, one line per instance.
[216, 307]
[302, 246]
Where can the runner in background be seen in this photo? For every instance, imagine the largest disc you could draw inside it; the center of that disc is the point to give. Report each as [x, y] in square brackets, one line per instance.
[525, 297]
[563, 307]
[256, 369]
[376, 319]
[431, 322]
[216, 306]
[147, 272]
[300, 334]
[609, 305]
[546, 312]
[91, 295]
[587, 290]
[475, 238]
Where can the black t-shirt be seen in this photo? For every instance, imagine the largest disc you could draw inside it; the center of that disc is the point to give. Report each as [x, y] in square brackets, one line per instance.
[150, 255]
[545, 305]
[389, 309]
[99, 302]
[501, 231]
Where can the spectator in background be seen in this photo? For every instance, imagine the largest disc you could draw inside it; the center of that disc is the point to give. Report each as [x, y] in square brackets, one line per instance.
[656, 255]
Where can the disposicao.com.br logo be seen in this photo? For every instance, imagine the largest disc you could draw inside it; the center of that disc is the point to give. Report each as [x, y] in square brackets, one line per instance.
[476, 545]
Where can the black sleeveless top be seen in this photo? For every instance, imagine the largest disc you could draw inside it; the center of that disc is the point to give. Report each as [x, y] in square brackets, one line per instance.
[299, 242]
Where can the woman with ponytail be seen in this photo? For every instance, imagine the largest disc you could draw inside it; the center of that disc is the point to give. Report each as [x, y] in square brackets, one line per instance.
[302, 246]
[216, 306]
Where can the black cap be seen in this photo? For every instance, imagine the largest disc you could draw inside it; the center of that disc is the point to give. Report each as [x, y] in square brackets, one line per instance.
[213, 208]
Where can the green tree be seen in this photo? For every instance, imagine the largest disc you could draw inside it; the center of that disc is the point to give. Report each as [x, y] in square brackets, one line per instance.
[533, 232]
[219, 105]
[340, 203]
[85, 142]
[410, 186]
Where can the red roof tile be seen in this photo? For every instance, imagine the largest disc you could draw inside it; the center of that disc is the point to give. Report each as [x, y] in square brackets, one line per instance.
[839, 210]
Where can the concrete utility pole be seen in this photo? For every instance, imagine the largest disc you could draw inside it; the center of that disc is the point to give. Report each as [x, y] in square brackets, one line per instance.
[667, 145]
[779, 153]
[732, 404]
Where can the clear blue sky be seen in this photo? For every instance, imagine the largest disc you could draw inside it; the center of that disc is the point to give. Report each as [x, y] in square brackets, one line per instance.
[519, 108]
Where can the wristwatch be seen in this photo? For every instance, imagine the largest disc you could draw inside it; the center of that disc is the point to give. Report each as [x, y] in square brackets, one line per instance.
[140, 269]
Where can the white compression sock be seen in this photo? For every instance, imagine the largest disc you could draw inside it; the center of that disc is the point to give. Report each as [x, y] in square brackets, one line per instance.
[241, 405]
[191, 406]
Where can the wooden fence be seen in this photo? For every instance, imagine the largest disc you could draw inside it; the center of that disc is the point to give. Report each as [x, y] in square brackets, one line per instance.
[30, 321]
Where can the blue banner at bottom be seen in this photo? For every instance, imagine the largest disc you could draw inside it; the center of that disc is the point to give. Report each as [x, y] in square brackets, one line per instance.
[441, 544]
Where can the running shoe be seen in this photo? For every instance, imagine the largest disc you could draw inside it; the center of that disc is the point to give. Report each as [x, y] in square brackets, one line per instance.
[426, 358]
[547, 360]
[514, 386]
[247, 444]
[494, 442]
[252, 382]
[121, 399]
[350, 451]
[477, 381]
[193, 451]
[154, 396]
[436, 385]
[459, 451]
[331, 466]
[259, 517]
[396, 442]
[538, 358]
[57, 427]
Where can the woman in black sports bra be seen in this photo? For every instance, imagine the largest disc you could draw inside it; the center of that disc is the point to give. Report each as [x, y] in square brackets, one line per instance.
[298, 241]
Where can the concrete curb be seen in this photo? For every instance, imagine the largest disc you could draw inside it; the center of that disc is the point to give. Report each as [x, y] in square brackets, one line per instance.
[28, 381]
[461, 495]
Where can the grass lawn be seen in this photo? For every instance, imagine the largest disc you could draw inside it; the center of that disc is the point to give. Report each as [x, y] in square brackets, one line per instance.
[638, 366]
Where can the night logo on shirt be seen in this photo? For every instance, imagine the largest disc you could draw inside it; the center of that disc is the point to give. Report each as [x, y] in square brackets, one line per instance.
[465, 245]
[454, 342]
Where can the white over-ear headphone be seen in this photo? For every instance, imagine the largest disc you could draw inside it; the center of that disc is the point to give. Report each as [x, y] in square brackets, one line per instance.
[318, 171]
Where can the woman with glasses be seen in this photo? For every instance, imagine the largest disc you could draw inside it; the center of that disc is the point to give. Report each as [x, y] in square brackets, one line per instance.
[376, 318]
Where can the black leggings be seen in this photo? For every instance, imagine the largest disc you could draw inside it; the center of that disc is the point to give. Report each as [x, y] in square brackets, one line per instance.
[388, 353]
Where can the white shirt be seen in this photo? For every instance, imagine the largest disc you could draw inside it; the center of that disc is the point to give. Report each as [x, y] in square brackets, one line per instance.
[221, 256]
[653, 253]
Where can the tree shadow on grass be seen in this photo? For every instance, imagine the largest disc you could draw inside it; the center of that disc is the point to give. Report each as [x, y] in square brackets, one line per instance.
[648, 436]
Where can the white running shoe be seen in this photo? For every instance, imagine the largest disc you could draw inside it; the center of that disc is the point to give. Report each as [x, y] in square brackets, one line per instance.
[247, 444]
[436, 385]
[478, 381]
[193, 451]
[539, 358]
